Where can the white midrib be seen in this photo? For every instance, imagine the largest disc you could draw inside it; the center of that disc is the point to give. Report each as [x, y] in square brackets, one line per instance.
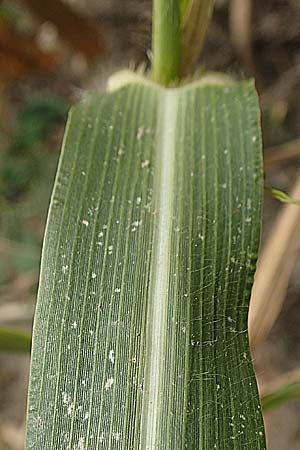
[160, 269]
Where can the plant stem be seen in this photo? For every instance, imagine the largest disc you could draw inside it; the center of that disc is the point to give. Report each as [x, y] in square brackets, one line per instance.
[166, 40]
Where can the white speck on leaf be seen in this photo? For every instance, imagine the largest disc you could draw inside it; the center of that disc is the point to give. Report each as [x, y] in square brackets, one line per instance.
[111, 356]
[145, 163]
[71, 408]
[94, 275]
[140, 133]
[85, 222]
[66, 398]
[116, 436]
[120, 151]
[109, 383]
[80, 444]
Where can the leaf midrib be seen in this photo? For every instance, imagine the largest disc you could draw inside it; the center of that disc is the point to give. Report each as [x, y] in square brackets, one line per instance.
[160, 267]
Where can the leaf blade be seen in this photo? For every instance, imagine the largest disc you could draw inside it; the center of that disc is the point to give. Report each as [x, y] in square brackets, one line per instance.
[153, 231]
[12, 340]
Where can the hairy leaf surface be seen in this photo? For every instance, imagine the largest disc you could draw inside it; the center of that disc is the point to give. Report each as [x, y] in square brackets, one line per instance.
[140, 336]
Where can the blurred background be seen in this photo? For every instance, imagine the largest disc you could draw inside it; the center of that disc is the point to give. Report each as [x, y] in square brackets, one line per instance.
[52, 50]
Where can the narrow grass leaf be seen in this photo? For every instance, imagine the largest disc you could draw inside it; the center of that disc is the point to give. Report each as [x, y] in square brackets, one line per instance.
[15, 341]
[281, 396]
[284, 197]
[140, 335]
[194, 25]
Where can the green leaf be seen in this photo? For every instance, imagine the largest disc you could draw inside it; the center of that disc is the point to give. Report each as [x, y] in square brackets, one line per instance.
[283, 197]
[184, 5]
[289, 391]
[140, 335]
[194, 26]
[12, 340]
